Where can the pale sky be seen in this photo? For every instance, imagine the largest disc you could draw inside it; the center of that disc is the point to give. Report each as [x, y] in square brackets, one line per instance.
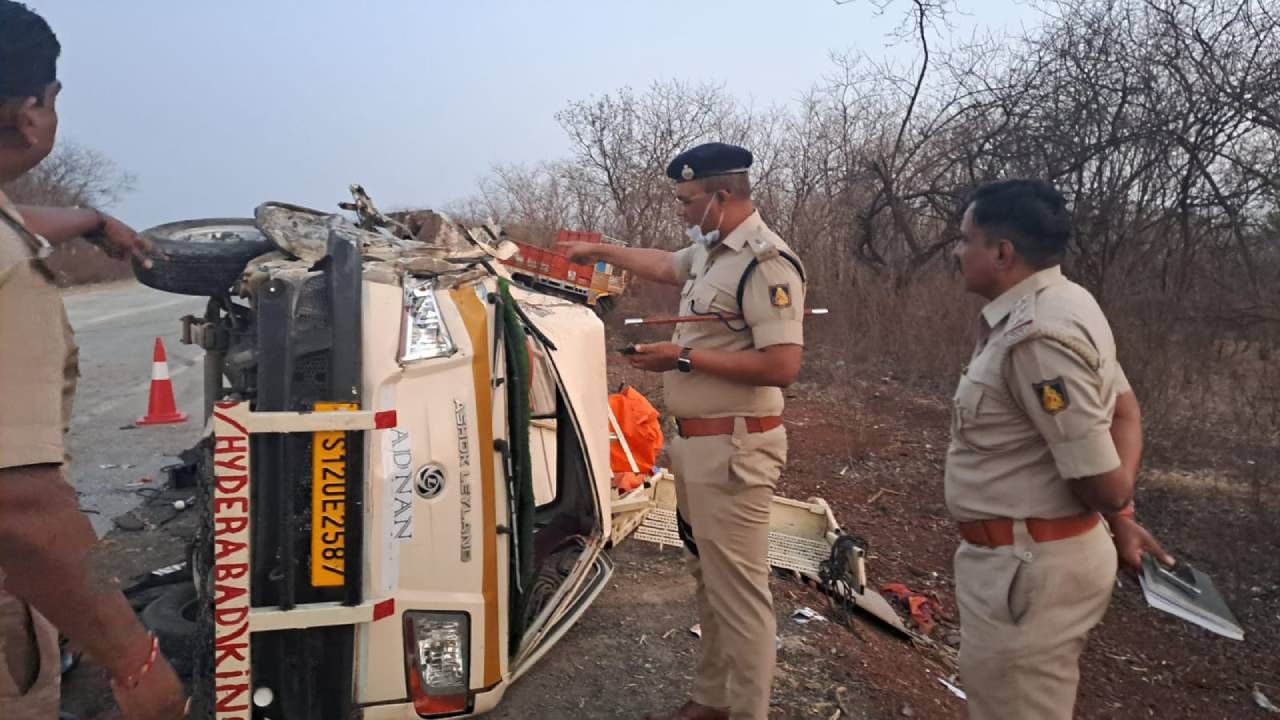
[216, 107]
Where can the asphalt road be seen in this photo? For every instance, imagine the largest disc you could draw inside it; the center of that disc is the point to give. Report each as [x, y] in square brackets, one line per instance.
[116, 328]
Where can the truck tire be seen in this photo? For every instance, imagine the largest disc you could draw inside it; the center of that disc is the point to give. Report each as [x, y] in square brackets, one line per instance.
[201, 257]
[172, 617]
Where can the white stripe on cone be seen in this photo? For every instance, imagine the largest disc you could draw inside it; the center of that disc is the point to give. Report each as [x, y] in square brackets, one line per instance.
[159, 371]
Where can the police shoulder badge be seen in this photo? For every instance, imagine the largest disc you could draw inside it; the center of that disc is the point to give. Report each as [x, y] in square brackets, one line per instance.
[780, 295]
[1053, 395]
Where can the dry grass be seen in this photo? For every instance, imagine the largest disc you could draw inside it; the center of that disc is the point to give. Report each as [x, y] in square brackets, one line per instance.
[79, 263]
[1199, 384]
[919, 335]
[1197, 379]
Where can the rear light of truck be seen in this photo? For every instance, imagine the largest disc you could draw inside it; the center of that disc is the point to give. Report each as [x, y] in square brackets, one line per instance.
[437, 660]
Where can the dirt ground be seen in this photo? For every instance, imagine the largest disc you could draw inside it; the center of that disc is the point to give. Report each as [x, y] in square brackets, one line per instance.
[874, 450]
[633, 651]
[160, 539]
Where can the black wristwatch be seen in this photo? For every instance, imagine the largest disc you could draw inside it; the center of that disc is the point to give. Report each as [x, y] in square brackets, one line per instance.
[683, 363]
[95, 235]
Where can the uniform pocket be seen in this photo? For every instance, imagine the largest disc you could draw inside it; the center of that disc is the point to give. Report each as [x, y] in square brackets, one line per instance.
[1021, 592]
[758, 458]
[965, 405]
[706, 298]
[985, 420]
[993, 586]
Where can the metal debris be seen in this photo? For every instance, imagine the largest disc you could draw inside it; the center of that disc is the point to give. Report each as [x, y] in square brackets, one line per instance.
[953, 688]
[1264, 702]
[804, 615]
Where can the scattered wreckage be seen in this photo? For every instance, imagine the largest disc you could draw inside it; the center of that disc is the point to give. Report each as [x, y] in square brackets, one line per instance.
[406, 493]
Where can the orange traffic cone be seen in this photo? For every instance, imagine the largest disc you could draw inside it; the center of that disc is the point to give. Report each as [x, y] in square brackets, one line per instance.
[161, 410]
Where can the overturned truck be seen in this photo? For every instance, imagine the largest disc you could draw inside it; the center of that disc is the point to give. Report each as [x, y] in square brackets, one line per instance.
[407, 496]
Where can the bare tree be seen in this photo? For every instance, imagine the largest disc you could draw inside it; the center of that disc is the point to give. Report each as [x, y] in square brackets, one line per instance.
[1158, 119]
[72, 175]
[624, 141]
[76, 175]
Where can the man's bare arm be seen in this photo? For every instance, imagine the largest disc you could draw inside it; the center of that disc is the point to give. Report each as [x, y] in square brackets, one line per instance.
[46, 547]
[1126, 432]
[59, 225]
[1112, 491]
[773, 366]
[650, 264]
[1131, 538]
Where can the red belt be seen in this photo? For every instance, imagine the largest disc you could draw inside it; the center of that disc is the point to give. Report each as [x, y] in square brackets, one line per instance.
[703, 427]
[997, 533]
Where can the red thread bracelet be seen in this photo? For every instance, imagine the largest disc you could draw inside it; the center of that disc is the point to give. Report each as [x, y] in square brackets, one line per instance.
[132, 681]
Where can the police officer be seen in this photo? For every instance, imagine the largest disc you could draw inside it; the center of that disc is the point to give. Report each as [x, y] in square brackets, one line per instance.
[723, 380]
[45, 541]
[1046, 440]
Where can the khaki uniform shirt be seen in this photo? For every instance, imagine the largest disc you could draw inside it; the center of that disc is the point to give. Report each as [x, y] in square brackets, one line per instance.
[1034, 406]
[773, 314]
[38, 354]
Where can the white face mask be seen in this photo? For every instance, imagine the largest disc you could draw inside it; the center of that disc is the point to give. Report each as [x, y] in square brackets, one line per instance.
[705, 239]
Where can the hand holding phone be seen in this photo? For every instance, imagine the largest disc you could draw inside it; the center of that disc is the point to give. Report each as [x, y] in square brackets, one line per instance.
[1181, 576]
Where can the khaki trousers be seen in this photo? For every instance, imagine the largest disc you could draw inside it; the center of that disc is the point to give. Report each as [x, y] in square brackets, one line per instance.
[1025, 612]
[30, 662]
[724, 486]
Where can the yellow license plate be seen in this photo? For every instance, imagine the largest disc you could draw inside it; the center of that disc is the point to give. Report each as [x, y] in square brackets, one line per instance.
[329, 503]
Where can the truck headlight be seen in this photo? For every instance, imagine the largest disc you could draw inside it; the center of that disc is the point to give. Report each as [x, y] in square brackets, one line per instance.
[438, 661]
[424, 334]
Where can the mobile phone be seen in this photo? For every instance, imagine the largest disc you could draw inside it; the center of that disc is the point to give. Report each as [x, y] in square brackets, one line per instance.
[1180, 575]
[627, 350]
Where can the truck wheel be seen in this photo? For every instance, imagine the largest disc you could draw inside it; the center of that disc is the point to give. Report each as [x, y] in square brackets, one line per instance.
[172, 617]
[201, 257]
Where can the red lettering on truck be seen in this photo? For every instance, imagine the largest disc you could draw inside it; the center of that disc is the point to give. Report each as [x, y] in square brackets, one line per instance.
[231, 572]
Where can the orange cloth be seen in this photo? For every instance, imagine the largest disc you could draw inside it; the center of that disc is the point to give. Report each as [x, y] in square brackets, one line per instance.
[639, 425]
[923, 609]
[627, 481]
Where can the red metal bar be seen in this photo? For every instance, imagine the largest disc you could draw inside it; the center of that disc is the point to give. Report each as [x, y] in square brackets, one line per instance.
[673, 320]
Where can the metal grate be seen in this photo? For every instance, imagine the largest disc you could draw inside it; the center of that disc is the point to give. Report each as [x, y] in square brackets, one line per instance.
[796, 553]
[311, 378]
[785, 551]
[659, 528]
[313, 303]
